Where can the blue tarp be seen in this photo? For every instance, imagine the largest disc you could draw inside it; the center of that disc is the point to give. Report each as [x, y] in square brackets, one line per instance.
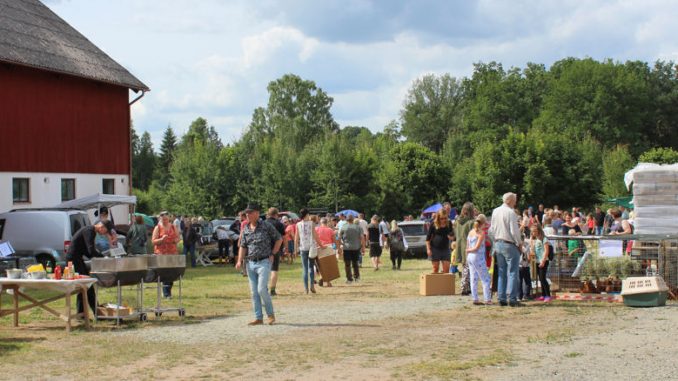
[348, 212]
[433, 208]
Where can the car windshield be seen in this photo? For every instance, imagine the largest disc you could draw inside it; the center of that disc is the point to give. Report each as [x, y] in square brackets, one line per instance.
[413, 229]
[77, 221]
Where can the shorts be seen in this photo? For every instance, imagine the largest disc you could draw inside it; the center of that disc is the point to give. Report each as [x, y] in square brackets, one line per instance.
[276, 262]
[375, 250]
[440, 254]
[290, 247]
[351, 255]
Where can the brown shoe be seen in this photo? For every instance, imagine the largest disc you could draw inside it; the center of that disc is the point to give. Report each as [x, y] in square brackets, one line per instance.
[256, 322]
[271, 320]
[312, 289]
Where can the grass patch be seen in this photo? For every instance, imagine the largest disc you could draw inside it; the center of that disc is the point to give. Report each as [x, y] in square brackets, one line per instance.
[573, 355]
[457, 369]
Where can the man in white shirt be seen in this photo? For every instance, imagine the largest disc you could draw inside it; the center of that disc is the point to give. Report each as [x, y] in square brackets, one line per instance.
[505, 231]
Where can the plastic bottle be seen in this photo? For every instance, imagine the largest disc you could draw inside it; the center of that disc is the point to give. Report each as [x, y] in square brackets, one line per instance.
[67, 274]
[57, 273]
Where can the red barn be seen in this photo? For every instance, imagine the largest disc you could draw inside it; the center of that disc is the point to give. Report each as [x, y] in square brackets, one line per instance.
[64, 111]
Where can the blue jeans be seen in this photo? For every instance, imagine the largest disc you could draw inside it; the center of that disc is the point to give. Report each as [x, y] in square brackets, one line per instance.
[307, 270]
[599, 230]
[191, 249]
[258, 273]
[508, 261]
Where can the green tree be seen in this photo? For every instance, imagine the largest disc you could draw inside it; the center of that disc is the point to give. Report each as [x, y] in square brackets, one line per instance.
[143, 163]
[412, 177]
[616, 162]
[432, 109]
[166, 157]
[200, 130]
[297, 111]
[197, 186]
[605, 100]
[659, 155]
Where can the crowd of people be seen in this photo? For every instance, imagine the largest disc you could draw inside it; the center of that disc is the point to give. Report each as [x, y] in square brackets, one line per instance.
[498, 252]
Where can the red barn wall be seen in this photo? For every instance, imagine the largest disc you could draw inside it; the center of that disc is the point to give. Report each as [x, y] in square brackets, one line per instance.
[58, 123]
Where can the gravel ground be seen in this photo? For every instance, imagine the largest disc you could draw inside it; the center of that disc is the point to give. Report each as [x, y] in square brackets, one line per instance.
[639, 344]
[235, 328]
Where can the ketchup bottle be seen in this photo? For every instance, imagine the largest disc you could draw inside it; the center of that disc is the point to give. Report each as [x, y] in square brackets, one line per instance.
[57, 273]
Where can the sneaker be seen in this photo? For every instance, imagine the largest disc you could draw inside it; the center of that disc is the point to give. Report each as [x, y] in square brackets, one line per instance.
[547, 299]
[256, 322]
[349, 282]
[271, 320]
[356, 280]
[540, 299]
[313, 289]
[503, 304]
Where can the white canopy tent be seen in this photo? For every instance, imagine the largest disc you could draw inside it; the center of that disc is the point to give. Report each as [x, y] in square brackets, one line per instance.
[96, 201]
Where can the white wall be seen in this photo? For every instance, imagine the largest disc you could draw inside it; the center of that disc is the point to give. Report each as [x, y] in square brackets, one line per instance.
[45, 190]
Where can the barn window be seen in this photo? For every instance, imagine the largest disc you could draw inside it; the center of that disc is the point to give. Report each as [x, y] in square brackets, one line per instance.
[67, 189]
[108, 186]
[21, 190]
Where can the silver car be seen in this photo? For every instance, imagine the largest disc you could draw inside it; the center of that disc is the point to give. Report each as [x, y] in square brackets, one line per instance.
[415, 234]
[43, 234]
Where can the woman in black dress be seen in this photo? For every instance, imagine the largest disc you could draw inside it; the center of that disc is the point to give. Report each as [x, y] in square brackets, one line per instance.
[438, 239]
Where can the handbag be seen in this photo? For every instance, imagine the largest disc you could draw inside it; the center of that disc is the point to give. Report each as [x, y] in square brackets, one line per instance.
[313, 253]
[396, 242]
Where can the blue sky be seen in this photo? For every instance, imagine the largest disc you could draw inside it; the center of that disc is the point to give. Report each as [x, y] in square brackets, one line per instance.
[214, 58]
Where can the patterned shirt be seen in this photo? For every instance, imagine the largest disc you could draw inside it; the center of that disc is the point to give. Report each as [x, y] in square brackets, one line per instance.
[259, 242]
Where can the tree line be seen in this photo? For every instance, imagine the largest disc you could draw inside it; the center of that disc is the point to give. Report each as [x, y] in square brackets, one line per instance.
[563, 135]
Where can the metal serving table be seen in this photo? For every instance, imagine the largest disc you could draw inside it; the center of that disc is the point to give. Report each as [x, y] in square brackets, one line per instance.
[165, 268]
[118, 272]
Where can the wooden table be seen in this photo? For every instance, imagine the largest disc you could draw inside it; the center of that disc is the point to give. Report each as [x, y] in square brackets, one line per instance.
[65, 288]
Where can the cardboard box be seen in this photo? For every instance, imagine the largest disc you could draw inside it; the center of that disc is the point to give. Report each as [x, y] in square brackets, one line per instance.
[111, 311]
[436, 284]
[329, 267]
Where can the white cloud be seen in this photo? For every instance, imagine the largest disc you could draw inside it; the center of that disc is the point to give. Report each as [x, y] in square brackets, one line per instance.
[214, 59]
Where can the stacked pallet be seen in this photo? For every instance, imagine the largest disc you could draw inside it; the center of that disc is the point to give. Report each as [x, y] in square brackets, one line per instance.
[655, 198]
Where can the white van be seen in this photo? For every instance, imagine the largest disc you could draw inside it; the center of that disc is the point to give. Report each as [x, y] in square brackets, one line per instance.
[44, 234]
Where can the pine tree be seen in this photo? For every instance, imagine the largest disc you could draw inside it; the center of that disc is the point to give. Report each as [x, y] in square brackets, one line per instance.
[166, 157]
[143, 163]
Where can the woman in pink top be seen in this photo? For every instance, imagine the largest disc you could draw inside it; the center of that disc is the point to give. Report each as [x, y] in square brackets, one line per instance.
[165, 238]
[328, 238]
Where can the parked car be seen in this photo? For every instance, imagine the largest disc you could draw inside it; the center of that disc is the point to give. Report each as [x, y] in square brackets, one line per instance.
[44, 234]
[415, 234]
[226, 221]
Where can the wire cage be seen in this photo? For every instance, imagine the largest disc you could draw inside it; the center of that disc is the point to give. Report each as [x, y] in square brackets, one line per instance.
[595, 264]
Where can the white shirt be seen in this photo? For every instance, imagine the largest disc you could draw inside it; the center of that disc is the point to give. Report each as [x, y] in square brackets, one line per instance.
[505, 225]
[363, 225]
[222, 233]
[383, 230]
[305, 231]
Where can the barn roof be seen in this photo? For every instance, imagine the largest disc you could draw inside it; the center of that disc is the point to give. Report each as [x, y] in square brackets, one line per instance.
[32, 35]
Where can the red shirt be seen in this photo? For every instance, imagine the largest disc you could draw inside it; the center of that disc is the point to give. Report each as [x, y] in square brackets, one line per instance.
[290, 231]
[325, 235]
